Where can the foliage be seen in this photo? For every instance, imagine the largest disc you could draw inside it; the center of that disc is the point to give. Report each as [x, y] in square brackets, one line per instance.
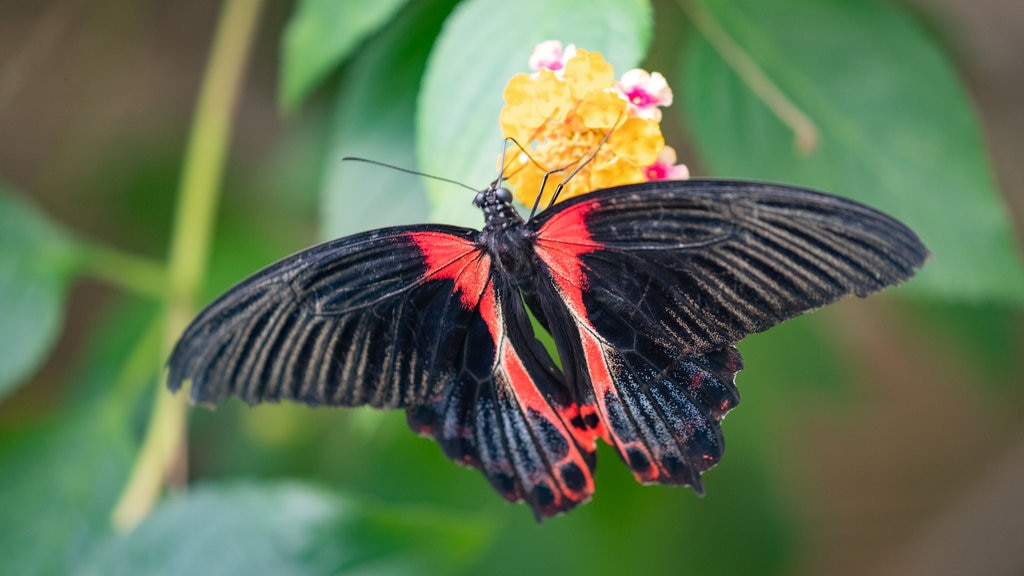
[858, 99]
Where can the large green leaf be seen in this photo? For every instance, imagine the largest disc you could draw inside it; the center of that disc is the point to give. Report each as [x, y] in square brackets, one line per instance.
[896, 129]
[374, 118]
[320, 35]
[286, 529]
[37, 262]
[60, 478]
[58, 484]
[482, 45]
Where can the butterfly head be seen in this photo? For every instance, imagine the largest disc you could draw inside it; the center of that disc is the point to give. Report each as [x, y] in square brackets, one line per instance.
[493, 195]
[496, 203]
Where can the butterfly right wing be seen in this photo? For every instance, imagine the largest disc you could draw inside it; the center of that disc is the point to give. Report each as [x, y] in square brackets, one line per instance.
[647, 287]
[704, 263]
[659, 407]
[376, 318]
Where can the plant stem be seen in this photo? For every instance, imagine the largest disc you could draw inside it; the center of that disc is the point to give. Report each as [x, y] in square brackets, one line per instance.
[163, 445]
[804, 131]
[138, 370]
[128, 271]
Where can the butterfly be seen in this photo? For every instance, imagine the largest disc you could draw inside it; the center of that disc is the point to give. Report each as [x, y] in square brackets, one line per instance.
[644, 289]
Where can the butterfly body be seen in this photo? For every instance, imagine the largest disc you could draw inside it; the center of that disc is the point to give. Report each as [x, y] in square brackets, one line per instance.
[504, 235]
[643, 288]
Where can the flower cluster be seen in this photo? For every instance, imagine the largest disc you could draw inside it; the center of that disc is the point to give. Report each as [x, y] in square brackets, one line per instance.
[563, 111]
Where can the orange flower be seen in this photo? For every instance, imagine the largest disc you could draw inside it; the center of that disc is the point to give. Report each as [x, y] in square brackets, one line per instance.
[564, 111]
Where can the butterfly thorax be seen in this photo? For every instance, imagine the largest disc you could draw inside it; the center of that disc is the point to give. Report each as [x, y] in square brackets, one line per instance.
[504, 233]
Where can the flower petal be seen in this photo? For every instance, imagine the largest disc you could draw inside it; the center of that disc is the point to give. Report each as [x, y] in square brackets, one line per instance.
[645, 93]
[547, 54]
[532, 101]
[665, 167]
[601, 110]
[616, 173]
[588, 72]
[639, 140]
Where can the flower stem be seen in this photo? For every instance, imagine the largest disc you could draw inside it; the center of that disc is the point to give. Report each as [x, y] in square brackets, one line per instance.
[804, 130]
[163, 447]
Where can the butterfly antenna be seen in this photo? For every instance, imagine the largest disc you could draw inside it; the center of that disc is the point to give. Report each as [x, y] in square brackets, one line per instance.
[531, 139]
[504, 152]
[407, 171]
[525, 152]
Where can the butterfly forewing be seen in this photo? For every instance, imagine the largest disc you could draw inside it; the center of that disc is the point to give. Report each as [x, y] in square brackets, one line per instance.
[704, 263]
[369, 319]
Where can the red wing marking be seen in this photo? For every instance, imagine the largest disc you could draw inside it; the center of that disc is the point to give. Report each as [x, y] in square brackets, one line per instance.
[569, 228]
[459, 259]
[612, 415]
[569, 469]
[560, 243]
[586, 423]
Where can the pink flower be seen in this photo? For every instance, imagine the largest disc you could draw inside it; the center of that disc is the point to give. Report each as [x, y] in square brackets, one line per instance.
[665, 167]
[645, 92]
[550, 55]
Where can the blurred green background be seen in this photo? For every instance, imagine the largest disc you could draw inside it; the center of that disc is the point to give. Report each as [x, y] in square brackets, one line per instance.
[879, 436]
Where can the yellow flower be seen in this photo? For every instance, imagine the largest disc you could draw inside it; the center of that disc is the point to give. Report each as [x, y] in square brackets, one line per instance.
[530, 101]
[563, 112]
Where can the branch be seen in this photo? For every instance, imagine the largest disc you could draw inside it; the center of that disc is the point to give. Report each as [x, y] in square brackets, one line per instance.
[164, 444]
[804, 130]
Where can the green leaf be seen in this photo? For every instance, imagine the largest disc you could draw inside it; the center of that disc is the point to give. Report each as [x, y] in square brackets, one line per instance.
[986, 340]
[629, 528]
[896, 129]
[37, 262]
[799, 358]
[60, 479]
[319, 37]
[374, 118]
[58, 486]
[285, 529]
[483, 44]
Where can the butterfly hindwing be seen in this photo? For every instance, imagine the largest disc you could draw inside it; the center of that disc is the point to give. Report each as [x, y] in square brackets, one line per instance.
[509, 412]
[661, 409]
[647, 287]
[663, 415]
[374, 318]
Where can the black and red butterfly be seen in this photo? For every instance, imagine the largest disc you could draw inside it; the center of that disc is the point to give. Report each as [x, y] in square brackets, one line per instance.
[644, 288]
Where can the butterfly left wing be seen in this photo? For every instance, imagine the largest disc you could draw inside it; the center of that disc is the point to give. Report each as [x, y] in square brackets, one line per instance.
[411, 317]
[372, 319]
[646, 287]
